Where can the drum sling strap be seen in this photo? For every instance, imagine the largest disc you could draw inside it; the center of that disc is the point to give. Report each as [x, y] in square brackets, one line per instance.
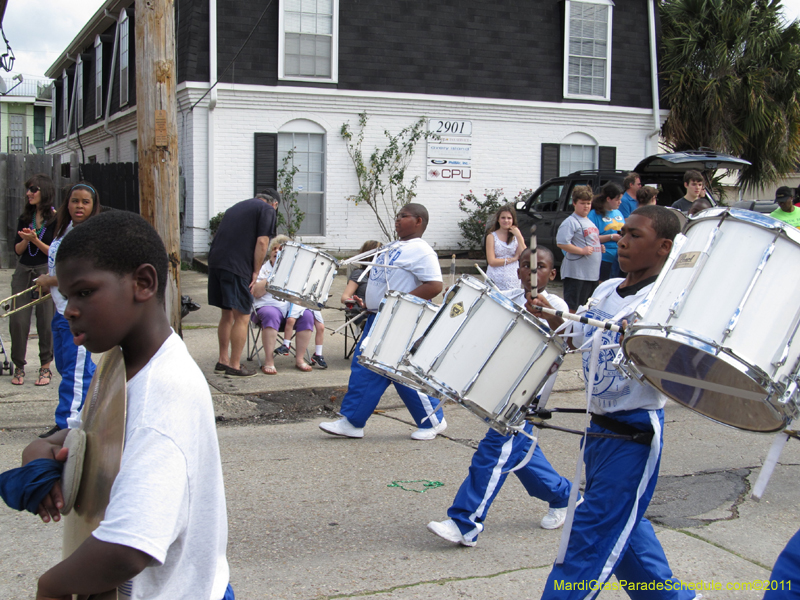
[635, 435]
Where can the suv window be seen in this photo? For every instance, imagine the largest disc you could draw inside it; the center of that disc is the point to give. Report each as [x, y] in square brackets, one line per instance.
[572, 185]
[547, 200]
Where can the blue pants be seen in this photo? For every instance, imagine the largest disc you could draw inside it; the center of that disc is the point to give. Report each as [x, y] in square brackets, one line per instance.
[609, 533]
[785, 578]
[497, 453]
[74, 364]
[365, 388]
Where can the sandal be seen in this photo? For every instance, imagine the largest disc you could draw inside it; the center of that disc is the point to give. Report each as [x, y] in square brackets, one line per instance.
[45, 375]
[269, 370]
[305, 367]
[19, 375]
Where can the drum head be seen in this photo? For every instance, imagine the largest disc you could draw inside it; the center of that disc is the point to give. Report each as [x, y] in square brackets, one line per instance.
[715, 385]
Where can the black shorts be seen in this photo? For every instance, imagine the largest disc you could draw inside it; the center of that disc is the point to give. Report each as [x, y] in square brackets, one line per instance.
[229, 291]
[577, 292]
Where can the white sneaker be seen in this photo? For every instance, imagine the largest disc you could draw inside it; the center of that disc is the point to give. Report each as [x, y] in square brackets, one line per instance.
[555, 517]
[342, 427]
[429, 433]
[448, 530]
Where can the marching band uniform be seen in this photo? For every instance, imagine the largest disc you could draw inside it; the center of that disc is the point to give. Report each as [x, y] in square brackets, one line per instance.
[497, 453]
[418, 263]
[609, 533]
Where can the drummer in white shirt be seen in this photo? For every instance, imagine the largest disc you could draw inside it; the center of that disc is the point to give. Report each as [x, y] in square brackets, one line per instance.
[498, 453]
[419, 274]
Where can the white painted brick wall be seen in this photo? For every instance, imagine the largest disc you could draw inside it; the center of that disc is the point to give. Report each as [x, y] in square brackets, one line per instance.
[506, 150]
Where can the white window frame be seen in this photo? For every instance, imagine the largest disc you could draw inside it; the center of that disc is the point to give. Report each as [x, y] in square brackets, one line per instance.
[65, 103]
[568, 11]
[334, 78]
[98, 78]
[79, 93]
[124, 52]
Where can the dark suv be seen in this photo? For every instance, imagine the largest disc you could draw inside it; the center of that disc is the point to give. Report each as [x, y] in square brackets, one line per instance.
[549, 205]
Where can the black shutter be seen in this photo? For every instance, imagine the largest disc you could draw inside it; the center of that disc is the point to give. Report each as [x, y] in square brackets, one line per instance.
[607, 158]
[550, 161]
[266, 161]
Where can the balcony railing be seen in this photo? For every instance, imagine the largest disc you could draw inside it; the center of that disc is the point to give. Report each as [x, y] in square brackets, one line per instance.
[37, 87]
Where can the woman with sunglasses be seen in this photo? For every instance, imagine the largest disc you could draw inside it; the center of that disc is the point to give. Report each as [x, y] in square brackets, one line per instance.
[35, 230]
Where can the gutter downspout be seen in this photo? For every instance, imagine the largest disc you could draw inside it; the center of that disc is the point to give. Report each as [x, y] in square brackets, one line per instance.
[212, 100]
[651, 22]
[72, 98]
[111, 87]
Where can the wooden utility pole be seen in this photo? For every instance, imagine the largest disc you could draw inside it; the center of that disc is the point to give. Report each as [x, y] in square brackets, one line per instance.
[156, 111]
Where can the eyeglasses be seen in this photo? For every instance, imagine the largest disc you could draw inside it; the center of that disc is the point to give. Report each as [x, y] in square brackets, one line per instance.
[33, 189]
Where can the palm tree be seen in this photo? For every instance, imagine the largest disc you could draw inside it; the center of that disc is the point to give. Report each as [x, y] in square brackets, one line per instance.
[731, 72]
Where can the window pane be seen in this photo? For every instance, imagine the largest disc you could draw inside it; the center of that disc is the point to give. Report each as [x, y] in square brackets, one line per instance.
[285, 144]
[308, 23]
[291, 65]
[292, 43]
[314, 182]
[309, 6]
[300, 143]
[325, 7]
[325, 24]
[292, 5]
[291, 22]
[322, 47]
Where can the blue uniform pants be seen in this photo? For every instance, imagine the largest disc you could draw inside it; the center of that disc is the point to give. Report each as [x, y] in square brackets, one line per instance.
[365, 388]
[74, 364]
[785, 578]
[609, 533]
[497, 453]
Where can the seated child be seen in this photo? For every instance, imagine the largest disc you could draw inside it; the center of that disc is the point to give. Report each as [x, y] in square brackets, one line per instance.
[497, 453]
[165, 529]
[298, 312]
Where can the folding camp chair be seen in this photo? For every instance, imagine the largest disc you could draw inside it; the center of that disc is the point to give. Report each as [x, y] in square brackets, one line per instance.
[353, 331]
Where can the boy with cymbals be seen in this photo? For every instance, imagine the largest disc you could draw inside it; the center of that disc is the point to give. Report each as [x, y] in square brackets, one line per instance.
[417, 273]
[609, 532]
[164, 534]
[498, 453]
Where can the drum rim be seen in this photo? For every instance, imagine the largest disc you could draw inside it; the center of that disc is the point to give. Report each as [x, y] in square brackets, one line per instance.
[314, 249]
[410, 298]
[745, 216]
[784, 412]
[291, 296]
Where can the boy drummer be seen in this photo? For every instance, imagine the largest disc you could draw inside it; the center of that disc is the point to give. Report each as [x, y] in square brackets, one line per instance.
[418, 274]
[497, 453]
[609, 533]
[165, 529]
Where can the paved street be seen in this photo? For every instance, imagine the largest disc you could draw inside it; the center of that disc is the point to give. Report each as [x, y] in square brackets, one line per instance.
[313, 516]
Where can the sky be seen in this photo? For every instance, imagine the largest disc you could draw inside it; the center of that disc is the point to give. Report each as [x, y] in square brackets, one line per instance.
[40, 30]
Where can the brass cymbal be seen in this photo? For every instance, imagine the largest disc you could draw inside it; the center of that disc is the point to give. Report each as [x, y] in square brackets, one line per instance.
[103, 421]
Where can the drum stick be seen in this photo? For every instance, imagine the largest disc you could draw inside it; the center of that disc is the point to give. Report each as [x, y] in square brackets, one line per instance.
[346, 323]
[607, 325]
[487, 279]
[452, 270]
[373, 265]
[769, 465]
[368, 253]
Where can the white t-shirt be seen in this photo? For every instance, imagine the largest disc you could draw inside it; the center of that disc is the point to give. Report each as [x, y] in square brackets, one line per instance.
[268, 299]
[517, 296]
[58, 298]
[418, 262]
[168, 499]
[612, 392]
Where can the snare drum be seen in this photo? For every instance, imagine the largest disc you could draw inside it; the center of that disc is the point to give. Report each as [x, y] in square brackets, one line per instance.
[401, 320]
[486, 353]
[302, 275]
[717, 333]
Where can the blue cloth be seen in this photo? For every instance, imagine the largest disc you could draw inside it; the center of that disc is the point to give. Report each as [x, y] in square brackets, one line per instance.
[74, 364]
[25, 488]
[229, 593]
[365, 388]
[609, 533]
[628, 205]
[497, 453]
[785, 578]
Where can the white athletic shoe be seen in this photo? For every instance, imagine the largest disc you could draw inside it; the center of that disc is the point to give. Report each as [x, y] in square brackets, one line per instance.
[429, 433]
[342, 427]
[448, 530]
[555, 517]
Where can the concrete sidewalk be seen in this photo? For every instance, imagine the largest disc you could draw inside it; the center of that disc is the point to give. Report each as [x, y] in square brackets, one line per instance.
[313, 516]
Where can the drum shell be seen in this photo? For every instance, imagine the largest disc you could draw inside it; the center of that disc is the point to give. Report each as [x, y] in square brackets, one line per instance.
[759, 329]
[302, 275]
[478, 352]
[401, 320]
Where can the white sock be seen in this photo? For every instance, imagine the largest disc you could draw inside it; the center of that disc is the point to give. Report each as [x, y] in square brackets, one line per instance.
[287, 343]
[318, 351]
